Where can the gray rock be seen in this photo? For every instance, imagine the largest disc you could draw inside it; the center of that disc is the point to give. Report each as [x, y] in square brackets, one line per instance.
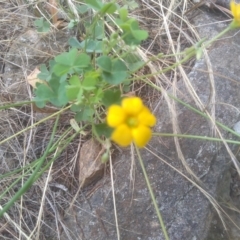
[187, 213]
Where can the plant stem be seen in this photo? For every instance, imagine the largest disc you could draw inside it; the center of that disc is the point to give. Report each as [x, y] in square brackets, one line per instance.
[208, 43]
[195, 137]
[152, 195]
[3, 107]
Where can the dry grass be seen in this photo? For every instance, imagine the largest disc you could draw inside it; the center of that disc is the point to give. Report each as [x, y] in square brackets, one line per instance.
[39, 214]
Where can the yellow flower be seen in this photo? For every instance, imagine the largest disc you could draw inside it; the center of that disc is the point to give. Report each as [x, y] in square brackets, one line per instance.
[235, 9]
[131, 122]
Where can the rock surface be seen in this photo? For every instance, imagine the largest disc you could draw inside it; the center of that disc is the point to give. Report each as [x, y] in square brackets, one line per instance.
[187, 213]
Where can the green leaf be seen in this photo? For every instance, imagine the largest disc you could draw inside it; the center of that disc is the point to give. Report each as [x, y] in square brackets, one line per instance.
[72, 93]
[71, 61]
[85, 114]
[82, 61]
[95, 4]
[54, 92]
[126, 88]
[82, 8]
[104, 62]
[90, 80]
[74, 89]
[133, 61]
[131, 32]
[97, 96]
[140, 35]
[72, 23]
[133, 5]
[99, 47]
[123, 13]
[79, 98]
[73, 42]
[59, 97]
[118, 73]
[136, 32]
[75, 107]
[103, 129]
[42, 25]
[99, 32]
[60, 70]
[44, 74]
[43, 94]
[75, 81]
[67, 58]
[91, 46]
[126, 27]
[109, 8]
[111, 97]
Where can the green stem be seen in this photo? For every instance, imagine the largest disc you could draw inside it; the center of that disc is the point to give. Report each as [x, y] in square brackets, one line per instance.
[206, 44]
[203, 115]
[4, 107]
[152, 195]
[31, 179]
[195, 137]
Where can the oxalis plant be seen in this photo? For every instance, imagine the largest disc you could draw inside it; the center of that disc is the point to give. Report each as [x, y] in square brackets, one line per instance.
[94, 73]
[91, 80]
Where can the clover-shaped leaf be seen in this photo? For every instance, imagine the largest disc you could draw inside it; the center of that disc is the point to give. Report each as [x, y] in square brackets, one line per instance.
[53, 92]
[105, 63]
[42, 25]
[118, 73]
[71, 61]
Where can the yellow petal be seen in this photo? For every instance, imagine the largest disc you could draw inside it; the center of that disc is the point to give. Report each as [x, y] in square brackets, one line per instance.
[141, 135]
[235, 9]
[122, 135]
[116, 116]
[132, 105]
[145, 117]
[237, 14]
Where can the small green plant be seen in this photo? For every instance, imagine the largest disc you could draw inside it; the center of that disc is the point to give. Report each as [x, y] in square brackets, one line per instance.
[42, 25]
[88, 76]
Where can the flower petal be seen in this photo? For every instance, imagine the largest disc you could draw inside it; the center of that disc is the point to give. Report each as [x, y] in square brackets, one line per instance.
[145, 117]
[235, 9]
[122, 135]
[141, 135]
[132, 105]
[116, 116]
